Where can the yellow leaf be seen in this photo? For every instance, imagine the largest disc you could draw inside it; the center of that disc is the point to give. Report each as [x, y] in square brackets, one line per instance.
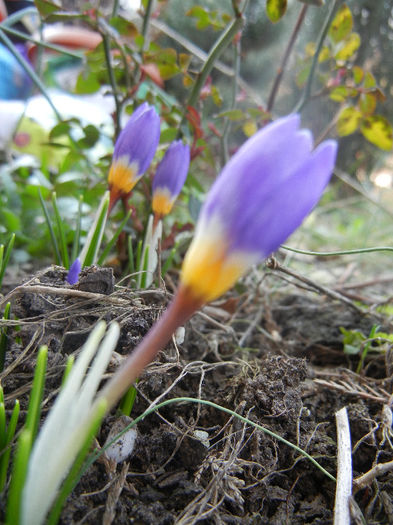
[250, 128]
[378, 131]
[348, 121]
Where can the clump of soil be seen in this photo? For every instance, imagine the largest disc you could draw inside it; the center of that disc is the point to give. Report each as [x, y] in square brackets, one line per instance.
[194, 463]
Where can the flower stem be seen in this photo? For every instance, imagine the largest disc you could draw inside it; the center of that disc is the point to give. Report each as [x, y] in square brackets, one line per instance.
[178, 312]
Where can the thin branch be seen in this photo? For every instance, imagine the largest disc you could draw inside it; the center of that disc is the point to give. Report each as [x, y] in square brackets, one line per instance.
[307, 90]
[287, 53]
[274, 265]
[344, 470]
[366, 479]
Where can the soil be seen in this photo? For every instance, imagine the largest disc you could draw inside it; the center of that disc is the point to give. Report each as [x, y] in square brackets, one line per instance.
[273, 357]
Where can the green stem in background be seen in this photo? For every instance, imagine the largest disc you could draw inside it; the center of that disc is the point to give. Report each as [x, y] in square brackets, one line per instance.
[284, 60]
[112, 80]
[128, 400]
[146, 23]
[307, 90]
[17, 17]
[340, 252]
[61, 233]
[29, 38]
[76, 243]
[29, 70]
[115, 8]
[228, 123]
[155, 408]
[218, 48]
[50, 228]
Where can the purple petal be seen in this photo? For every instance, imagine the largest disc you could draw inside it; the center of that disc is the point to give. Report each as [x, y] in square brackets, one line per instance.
[265, 225]
[172, 171]
[139, 139]
[74, 271]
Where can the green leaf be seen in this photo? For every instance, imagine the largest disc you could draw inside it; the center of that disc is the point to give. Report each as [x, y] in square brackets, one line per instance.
[46, 8]
[87, 82]
[358, 74]
[349, 47]
[367, 103]
[341, 25]
[348, 121]
[275, 9]
[377, 130]
[341, 93]
[232, 114]
[91, 136]
[369, 80]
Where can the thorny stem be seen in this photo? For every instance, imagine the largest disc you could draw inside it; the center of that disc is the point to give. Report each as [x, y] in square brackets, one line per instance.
[287, 53]
[178, 312]
[307, 90]
[218, 48]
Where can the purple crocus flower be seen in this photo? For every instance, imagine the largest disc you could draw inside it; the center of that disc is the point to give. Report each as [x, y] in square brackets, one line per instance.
[134, 151]
[74, 271]
[170, 177]
[261, 196]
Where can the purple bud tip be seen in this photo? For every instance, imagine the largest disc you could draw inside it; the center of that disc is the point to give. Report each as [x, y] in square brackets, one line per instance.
[134, 149]
[74, 271]
[170, 177]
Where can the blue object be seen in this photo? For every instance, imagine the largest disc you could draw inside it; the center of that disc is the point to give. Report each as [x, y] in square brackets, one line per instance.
[15, 84]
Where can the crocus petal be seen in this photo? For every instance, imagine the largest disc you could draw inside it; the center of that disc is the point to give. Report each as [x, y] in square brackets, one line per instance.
[134, 150]
[74, 271]
[262, 195]
[170, 177]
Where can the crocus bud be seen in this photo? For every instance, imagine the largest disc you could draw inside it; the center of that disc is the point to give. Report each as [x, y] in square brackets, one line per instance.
[261, 196]
[74, 271]
[133, 153]
[170, 177]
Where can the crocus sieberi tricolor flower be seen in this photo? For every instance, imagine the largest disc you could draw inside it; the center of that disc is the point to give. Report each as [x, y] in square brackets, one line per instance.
[170, 177]
[134, 150]
[261, 196]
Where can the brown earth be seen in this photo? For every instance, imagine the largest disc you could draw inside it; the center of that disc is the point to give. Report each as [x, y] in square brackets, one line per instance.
[274, 358]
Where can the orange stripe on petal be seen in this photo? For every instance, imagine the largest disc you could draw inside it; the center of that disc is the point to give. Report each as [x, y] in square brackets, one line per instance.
[162, 201]
[123, 176]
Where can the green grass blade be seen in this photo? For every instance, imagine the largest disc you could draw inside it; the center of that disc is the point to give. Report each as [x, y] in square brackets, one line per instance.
[5, 257]
[145, 267]
[74, 474]
[61, 232]
[3, 336]
[169, 261]
[5, 457]
[111, 243]
[37, 392]
[88, 255]
[138, 255]
[77, 236]
[3, 428]
[131, 261]
[19, 471]
[50, 228]
[127, 403]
